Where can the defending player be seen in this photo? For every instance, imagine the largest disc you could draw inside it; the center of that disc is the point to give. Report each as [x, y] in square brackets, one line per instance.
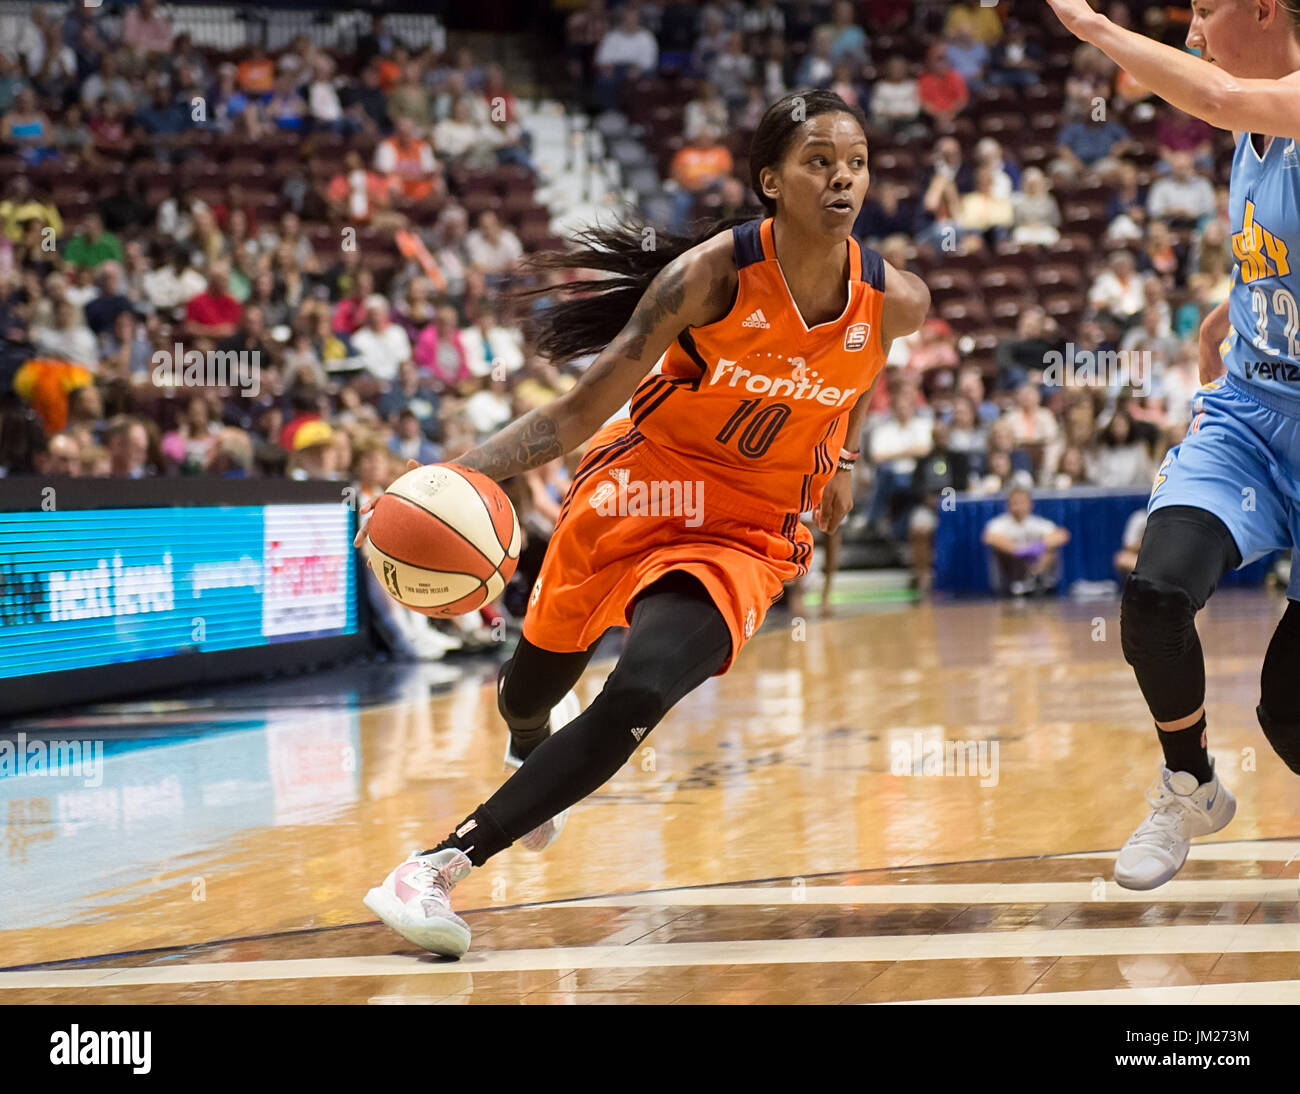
[1244, 439]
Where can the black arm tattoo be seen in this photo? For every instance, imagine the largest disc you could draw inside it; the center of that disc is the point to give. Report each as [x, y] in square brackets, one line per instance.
[664, 298]
[530, 442]
[535, 439]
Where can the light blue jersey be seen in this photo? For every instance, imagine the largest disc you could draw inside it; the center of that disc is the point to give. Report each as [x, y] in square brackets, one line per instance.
[1262, 350]
[1240, 459]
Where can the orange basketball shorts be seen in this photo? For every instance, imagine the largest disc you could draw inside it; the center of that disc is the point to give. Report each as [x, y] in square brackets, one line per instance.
[632, 514]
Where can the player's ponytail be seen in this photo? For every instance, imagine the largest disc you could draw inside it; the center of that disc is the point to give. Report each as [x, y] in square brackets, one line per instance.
[583, 316]
[587, 313]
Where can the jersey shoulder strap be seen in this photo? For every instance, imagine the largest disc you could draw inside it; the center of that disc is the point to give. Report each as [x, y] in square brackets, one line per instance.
[747, 243]
[873, 268]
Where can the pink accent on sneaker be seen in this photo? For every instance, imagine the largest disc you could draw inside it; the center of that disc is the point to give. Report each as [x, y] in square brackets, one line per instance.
[403, 891]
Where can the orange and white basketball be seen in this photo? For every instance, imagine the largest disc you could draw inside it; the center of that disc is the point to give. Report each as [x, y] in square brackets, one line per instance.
[443, 540]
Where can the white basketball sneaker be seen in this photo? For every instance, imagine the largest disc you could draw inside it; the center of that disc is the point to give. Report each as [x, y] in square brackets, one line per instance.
[415, 901]
[1181, 810]
[546, 833]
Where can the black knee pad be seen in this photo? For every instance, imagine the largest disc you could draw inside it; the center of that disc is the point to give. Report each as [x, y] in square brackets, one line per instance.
[1157, 621]
[1285, 739]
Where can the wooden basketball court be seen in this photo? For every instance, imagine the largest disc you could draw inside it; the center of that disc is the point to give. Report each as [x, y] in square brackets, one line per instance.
[903, 804]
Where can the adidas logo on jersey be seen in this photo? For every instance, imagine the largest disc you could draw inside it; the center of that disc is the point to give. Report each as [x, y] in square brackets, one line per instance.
[1290, 158]
[757, 319]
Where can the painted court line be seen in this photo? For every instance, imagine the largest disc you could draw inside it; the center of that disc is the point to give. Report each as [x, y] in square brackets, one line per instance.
[1258, 991]
[1052, 892]
[1241, 851]
[1236, 938]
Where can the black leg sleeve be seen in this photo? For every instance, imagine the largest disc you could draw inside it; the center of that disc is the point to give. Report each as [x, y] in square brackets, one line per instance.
[678, 639]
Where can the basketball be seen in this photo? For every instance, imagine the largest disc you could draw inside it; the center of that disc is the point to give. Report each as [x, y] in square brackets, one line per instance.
[443, 540]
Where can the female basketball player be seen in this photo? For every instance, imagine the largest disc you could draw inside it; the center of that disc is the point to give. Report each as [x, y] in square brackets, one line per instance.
[771, 332]
[1230, 492]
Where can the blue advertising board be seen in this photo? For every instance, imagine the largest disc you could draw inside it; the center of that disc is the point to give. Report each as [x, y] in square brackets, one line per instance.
[88, 588]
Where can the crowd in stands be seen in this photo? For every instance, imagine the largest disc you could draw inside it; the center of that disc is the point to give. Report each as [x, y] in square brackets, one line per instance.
[355, 219]
[328, 235]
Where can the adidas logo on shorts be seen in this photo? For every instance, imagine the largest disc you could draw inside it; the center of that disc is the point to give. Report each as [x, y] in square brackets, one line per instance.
[757, 319]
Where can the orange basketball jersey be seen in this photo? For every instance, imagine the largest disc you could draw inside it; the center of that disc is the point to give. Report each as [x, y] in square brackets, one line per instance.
[757, 400]
[749, 413]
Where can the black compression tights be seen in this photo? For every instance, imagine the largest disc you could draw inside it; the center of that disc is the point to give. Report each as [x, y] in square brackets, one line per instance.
[677, 640]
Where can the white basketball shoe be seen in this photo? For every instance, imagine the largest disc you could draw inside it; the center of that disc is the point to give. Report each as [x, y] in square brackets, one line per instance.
[546, 833]
[415, 901]
[1181, 810]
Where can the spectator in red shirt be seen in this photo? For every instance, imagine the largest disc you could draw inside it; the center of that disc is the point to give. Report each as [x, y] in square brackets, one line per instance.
[214, 313]
[941, 89]
[350, 312]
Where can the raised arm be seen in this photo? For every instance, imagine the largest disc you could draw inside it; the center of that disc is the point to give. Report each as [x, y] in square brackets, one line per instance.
[1189, 83]
[690, 291]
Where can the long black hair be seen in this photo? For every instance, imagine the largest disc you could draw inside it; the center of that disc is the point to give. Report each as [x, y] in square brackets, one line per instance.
[585, 315]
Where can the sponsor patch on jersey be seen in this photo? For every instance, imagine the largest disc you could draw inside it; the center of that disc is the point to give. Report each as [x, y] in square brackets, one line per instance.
[855, 338]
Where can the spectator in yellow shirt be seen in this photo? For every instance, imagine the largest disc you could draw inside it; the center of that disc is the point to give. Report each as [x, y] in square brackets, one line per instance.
[21, 206]
[985, 25]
